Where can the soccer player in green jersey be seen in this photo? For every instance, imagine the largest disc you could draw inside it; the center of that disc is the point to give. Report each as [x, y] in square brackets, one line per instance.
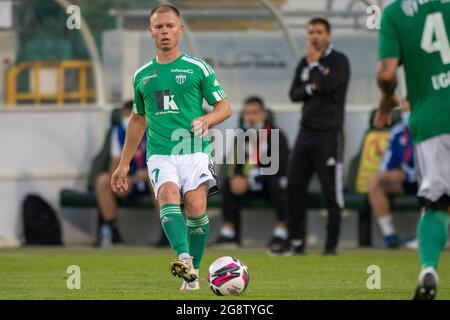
[168, 97]
[416, 34]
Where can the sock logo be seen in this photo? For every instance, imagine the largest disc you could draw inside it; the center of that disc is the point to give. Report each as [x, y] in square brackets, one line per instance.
[197, 231]
[165, 220]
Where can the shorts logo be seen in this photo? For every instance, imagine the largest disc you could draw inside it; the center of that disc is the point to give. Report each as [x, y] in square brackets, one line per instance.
[180, 78]
[203, 175]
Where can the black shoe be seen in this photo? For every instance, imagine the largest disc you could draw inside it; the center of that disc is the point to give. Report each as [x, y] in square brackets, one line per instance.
[287, 250]
[297, 250]
[116, 237]
[108, 236]
[276, 242]
[226, 242]
[278, 246]
[329, 252]
[426, 290]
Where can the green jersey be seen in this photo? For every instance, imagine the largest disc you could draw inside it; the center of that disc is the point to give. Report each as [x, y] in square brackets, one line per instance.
[417, 32]
[171, 96]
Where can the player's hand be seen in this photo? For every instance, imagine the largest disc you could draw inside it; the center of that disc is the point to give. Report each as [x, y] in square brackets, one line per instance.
[119, 179]
[200, 126]
[383, 115]
[311, 53]
[239, 185]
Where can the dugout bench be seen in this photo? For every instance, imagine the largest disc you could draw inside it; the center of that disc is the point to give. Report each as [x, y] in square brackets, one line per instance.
[361, 168]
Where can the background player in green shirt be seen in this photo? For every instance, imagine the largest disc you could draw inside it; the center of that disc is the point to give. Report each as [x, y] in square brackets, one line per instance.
[168, 97]
[416, 34]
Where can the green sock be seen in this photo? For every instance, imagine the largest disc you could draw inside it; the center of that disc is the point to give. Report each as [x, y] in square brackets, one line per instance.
[198, 230]
[174, 226]
[432, 232]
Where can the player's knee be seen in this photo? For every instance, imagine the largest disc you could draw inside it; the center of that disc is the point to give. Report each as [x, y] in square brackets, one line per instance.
[103, 180]
[168, 194]
[374, 182]
[195, 206]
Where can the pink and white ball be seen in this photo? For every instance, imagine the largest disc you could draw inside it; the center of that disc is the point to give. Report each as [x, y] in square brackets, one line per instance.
[228, 276]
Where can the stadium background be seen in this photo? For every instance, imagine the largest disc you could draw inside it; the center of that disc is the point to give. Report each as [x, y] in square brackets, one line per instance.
[48, 144]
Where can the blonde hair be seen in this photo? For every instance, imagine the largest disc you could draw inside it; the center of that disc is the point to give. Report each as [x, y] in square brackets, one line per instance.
[165, 8]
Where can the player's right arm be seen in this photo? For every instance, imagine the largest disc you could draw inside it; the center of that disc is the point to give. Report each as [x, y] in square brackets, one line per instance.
[135, 131]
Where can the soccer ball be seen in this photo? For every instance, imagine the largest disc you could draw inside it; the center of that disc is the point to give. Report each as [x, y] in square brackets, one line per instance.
[228, 276]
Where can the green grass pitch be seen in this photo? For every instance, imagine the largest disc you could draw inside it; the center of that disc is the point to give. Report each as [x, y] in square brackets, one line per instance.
[143, 273]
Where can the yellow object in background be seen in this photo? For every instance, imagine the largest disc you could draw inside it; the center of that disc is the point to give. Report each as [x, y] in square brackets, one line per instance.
[375, 144]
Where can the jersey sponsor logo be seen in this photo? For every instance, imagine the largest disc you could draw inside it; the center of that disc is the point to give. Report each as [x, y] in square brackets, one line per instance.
[180, 78]
[182, 71]
[165, 100]
[147, 79]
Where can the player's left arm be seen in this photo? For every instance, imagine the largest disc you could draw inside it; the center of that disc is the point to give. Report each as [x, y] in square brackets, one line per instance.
[216, 97]
[221, 112]
[389, 53]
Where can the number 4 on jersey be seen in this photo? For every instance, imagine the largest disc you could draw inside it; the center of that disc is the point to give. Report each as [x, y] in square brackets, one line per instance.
[435, 38]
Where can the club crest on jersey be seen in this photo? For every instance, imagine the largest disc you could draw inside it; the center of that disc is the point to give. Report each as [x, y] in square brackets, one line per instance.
[409, 7]
[180, 78]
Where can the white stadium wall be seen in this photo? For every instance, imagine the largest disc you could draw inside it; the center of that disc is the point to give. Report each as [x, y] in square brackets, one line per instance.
[46, 151]
[42, 152]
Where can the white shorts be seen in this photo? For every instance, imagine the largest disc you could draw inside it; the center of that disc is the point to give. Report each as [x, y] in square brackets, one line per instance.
[433, 167]
[187, 171]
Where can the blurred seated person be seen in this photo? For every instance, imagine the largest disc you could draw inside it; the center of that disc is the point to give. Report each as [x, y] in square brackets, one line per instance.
[244, 181]
[397, 176]
[138, 179]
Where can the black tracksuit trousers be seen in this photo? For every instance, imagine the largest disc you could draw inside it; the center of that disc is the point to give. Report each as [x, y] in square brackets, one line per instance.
[320, 152]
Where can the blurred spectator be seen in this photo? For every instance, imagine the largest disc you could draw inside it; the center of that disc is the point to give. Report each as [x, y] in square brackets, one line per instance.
[138, 182]
[244, 181]
[397, 176]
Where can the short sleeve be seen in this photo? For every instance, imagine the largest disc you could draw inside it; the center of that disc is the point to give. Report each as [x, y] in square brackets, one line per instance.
[389, 41]
[138, 100]
[212, 90]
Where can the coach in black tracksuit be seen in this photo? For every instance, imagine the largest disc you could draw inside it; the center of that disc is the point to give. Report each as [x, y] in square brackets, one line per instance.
[320, 82]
